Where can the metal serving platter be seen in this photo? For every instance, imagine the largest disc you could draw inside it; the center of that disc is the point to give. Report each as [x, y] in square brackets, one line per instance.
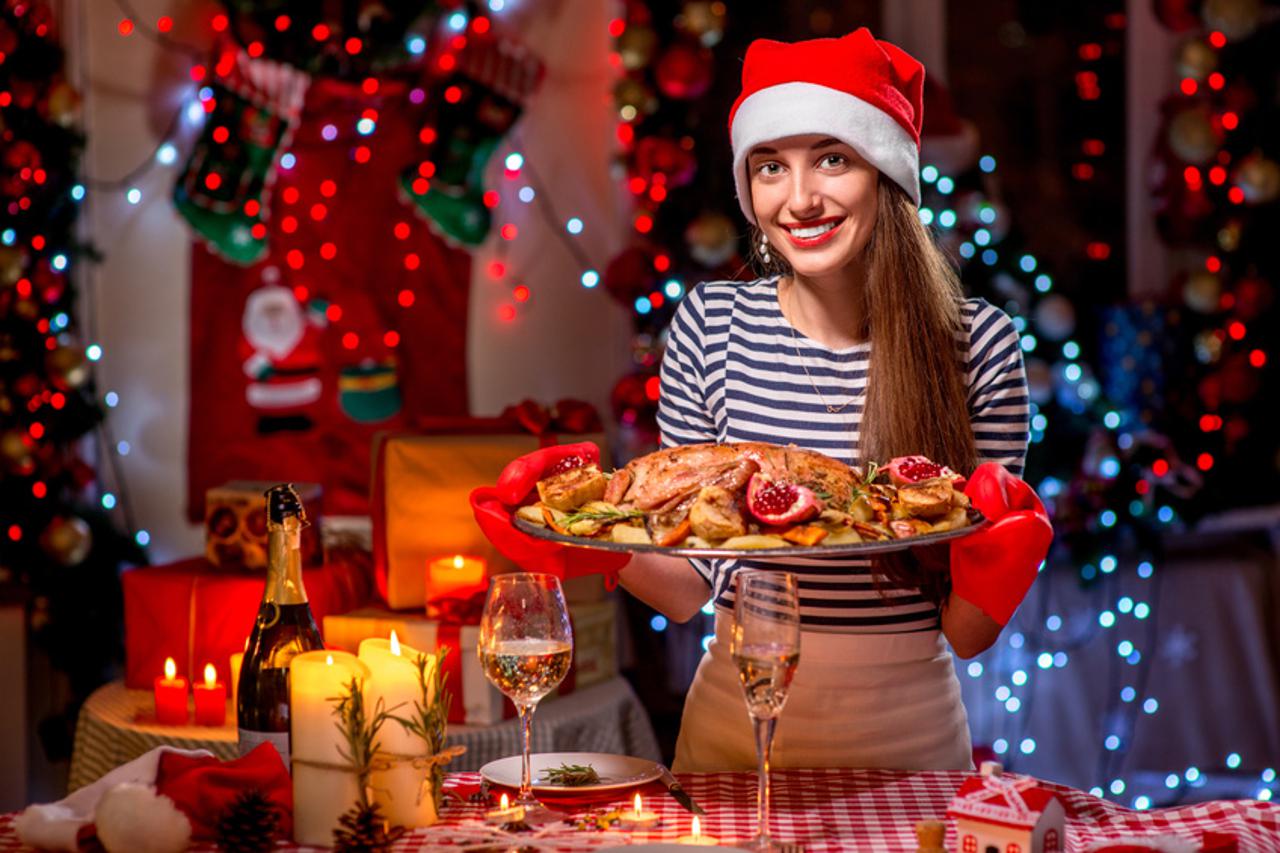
[977, 521]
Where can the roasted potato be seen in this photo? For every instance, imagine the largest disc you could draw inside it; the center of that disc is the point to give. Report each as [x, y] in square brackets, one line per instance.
[843, 537]
[717, 514]
[954, 520]
[571, 489]
[630, 534]
[532, 514]
[928, 499]
[903, 528]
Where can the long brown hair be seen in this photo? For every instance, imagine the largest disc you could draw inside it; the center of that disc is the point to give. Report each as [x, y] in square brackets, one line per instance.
[917, 397]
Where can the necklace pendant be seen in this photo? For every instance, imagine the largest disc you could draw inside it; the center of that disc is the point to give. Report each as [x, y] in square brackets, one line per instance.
[834, 409]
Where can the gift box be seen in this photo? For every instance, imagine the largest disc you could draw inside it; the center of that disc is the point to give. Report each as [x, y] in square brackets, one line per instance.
[235, 525]
[198, 614]
[474, 700]
[422, 480]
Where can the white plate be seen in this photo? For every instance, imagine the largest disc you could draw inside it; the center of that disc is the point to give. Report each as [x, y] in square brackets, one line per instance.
[615, 771]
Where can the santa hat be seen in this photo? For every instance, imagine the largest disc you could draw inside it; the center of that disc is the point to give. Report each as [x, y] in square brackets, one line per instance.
[865, 92]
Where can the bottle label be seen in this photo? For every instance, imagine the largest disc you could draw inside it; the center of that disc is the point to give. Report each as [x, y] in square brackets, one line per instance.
[280, 740]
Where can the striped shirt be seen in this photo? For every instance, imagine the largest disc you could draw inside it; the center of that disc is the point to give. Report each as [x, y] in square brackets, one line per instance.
[732, 372]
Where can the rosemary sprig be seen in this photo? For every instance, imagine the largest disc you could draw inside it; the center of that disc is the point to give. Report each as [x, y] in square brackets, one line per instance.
[359, 730]
[431, 714]
[861, 489]
[606, 516]
[571, 774]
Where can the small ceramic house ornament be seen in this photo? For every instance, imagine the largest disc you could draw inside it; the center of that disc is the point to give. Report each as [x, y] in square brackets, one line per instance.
[995, 813]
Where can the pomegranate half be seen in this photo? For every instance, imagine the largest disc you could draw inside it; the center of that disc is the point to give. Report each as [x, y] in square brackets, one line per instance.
[912, 469]
[778, 502]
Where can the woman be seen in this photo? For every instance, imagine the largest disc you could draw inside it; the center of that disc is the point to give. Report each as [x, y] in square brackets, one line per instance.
[858, 345]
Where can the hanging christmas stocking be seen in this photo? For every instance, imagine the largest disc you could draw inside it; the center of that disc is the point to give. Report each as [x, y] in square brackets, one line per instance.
[472, 108]
[222, 190]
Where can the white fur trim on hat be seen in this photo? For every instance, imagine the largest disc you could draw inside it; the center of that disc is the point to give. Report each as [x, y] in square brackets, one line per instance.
[793, 109]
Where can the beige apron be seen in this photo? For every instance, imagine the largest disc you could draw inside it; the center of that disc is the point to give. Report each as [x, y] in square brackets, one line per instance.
[858, 700]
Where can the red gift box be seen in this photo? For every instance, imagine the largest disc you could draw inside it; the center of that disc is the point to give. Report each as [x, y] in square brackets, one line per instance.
[197, 614]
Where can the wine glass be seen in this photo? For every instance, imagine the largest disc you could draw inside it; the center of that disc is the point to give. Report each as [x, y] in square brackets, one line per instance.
[525, 648]
[766, 648]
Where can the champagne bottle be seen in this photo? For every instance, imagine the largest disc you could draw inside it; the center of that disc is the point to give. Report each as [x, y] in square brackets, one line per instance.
[284, 628]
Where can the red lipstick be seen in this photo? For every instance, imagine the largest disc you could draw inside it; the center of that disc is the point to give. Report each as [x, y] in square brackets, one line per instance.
[811, 242]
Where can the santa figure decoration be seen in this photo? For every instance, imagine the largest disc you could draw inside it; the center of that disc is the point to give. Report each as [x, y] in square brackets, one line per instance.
[280, 356]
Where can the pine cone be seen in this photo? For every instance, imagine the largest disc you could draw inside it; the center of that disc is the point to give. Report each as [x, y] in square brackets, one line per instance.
[249, 825]
[365, 830]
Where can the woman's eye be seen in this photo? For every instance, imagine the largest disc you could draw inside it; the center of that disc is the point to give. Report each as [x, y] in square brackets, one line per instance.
[834, 160]
[768, 169]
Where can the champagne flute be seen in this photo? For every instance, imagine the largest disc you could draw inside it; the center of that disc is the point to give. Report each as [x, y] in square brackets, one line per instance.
[525, 648]
[766, 648]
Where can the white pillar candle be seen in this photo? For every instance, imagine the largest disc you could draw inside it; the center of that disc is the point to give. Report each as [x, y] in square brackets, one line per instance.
[321, 794]
[393, 678]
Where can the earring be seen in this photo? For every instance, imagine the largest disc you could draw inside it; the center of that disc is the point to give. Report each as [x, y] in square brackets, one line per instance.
[764, 248]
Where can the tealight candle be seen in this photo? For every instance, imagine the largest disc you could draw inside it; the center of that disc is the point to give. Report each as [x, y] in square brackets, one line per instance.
[211, 699]
[505, 813]
[458, 576]
[695, 836]
[638, 818]
[171, 696]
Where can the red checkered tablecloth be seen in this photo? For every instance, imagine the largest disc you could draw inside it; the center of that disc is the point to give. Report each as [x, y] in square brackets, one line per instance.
[825, 810]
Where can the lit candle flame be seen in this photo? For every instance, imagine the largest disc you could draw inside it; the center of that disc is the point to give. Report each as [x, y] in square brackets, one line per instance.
[170, 669]
[638, 804]
[458, 562]
[328, 659]
[210, 676]
[697, 827]
[504, 803]
[395, 643]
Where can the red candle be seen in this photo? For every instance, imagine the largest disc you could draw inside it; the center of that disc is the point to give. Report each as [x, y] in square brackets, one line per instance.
[211, 699]
[171, 696]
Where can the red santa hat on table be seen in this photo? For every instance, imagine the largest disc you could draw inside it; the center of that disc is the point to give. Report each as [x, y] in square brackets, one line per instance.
[865, 92]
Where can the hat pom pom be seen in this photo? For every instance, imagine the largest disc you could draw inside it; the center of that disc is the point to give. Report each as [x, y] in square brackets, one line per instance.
[135, 819]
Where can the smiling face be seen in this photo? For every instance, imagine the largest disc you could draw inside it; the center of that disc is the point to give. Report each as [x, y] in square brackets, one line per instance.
[815, 199]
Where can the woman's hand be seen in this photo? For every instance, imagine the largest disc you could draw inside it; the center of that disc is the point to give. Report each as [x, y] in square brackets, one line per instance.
[969, 631]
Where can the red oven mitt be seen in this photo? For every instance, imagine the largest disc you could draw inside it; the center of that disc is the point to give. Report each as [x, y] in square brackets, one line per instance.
[203, 787]
[494, 507]
[994, 568]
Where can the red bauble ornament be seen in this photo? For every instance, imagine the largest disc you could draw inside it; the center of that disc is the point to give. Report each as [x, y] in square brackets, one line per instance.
[18, 163]
[631, 275]
[21, 155]
[8, 39]
[657, 155]
[1253, 296]
[49, 284]
[1178, 15]
[634, 398]
[684, 71]
[1239, 379]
